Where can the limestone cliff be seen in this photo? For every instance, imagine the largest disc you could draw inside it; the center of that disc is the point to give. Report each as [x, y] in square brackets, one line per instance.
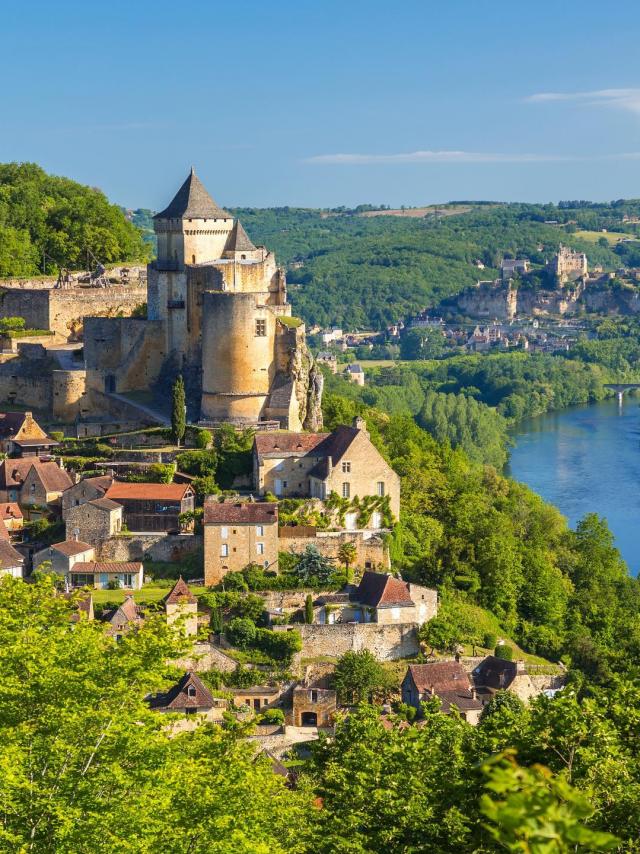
[307, 383]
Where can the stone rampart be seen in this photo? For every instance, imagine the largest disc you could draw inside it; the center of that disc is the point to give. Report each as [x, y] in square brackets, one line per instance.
[157, 547]
[385, 642]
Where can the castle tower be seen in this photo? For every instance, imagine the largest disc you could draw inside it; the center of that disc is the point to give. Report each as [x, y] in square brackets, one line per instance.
[191, 230]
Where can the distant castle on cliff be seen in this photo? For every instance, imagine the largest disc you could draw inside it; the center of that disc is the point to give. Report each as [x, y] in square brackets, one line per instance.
[217, 312]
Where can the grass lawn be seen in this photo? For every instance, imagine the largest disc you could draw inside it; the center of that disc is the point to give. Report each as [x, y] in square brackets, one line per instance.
[149, 593]
[612, 237]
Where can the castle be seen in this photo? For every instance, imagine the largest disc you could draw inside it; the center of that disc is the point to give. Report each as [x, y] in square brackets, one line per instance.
[217, 313]
[568, 265]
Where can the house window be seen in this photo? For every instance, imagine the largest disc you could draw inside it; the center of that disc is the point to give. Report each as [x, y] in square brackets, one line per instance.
[346, 468]
[191, 691]
[259, 530]
[314, 696]
[346, 490]
[260, 548]
[127, 580]
[32, 487]
[261, 327]
[193, 259]
[380, 488]
[224, 532]
[224, 550]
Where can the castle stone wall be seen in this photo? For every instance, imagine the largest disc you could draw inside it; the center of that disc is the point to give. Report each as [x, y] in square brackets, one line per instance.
[69, 400]
[386, 642]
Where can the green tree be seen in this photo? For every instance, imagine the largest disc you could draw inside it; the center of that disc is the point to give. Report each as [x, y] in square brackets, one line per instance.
[308, 609]
[178, 411]
[241, 632]
[314, 568]
[347, 553]
[358, 676]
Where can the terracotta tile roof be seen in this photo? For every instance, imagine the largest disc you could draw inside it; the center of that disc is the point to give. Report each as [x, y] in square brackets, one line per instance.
[101, 481]
[71, 547]
[148, 491]
[248, 512]
[13, 473]
[9, 557]
[179, 593]
[193, 201]
[276, 444]
[93, 566]
[178, 697]
[495, 672]
[128, 612]
[10, 510]
[379, 590]
[104, 504]
[442, 676]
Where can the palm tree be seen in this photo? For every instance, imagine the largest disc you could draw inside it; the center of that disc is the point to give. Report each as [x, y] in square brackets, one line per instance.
[347, 553]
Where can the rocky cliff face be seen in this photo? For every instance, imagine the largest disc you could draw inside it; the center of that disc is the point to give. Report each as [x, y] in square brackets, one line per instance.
[307, 383]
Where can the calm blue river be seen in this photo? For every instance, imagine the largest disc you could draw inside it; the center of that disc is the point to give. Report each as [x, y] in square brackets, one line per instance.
[587, 459]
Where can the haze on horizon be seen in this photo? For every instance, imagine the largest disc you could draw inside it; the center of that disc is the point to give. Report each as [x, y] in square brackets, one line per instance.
[328, 104]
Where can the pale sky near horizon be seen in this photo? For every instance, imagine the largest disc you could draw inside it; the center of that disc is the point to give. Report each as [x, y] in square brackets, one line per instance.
[327, 103]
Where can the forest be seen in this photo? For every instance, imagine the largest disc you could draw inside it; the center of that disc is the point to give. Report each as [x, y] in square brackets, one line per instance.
[361, 272]
[48, 222]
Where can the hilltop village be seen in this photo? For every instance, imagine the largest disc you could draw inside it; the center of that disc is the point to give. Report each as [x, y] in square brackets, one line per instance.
[277, 578]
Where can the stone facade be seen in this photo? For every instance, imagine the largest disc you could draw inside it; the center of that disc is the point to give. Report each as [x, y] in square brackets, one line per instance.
[568, 265]
[313, 706]
[94, 522]
[371, 550]
[218, 313]
[236, 535]
[156, 547]
[385, 642]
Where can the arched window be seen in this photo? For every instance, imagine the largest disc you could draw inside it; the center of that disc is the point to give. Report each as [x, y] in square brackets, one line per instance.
[193, 259]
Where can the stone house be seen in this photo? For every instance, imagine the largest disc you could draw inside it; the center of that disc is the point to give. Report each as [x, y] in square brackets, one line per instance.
[258, 698]
[314, 465]
[153, 507]
[329, 359]
[94, 521]
[496, 674]
[446, 680]
[181, 607]
[238, 534]
[22, 436]
[379, 598]
[314, 706]
[103, 575]
[11, 561]
[355, 373]
[189, 696]
[64, 555]
[11, 516]
[123, 618]
[31, 481]
[87, 489]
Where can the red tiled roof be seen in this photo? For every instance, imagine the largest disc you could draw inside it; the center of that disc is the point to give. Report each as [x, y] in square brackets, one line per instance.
[146, 491]
[177, 698]
[13, 473]
[9, 557]
[71, 547]
[128, 610]
[180, 593]
[278, 444]
[248, 512]
[10, 510]
[442, 676]
[377, 589]
[94, 566]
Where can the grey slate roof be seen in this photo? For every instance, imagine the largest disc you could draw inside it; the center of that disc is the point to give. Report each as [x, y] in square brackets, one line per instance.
[192, 201]
[238, 240]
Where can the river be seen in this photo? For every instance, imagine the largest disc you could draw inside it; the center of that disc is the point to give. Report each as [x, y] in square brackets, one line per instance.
[587, 459]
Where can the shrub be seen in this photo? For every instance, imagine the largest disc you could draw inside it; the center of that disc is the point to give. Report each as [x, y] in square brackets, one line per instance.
[57, 435]
[504, 651]
[234, 581]
[279, 645]
[203, 439]
[272, 716]
[241, 632]
[489, 640]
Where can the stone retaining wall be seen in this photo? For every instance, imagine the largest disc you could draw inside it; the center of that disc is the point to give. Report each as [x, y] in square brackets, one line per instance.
[385, 642]
[157, 547]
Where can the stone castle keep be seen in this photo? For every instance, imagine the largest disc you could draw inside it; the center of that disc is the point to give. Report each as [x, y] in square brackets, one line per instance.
[217, 312]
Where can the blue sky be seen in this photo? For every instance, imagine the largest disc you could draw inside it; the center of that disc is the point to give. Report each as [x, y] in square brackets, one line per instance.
[327, 103]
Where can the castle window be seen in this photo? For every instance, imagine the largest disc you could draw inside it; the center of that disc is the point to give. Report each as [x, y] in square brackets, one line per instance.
[260, 548]
[346, 468]
[193, 259]
[243, 257]
[224, 550]
[224, 532]
[346, 490]
[259, 530]
[380, 488]
[261, 327]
